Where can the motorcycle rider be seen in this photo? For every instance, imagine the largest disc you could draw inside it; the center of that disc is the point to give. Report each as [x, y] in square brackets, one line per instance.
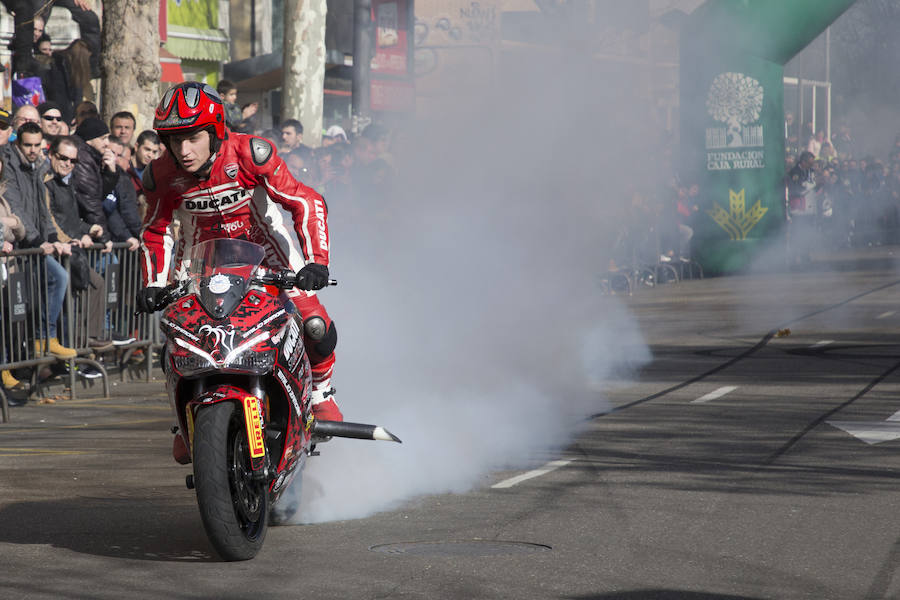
[219, 183]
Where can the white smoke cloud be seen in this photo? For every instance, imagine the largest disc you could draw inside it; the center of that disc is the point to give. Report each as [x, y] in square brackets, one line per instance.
[470, 316]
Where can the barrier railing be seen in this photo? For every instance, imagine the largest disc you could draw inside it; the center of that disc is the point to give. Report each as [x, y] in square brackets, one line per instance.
[98, 321]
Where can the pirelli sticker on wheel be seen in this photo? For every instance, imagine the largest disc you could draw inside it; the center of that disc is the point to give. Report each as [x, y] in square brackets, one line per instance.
[254, 427]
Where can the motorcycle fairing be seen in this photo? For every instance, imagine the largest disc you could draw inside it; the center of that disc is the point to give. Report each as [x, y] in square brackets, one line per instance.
[247, 333]
[297, 434]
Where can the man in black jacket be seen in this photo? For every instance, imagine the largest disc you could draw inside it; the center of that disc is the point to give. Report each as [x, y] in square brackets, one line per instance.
[72, 229]
[95, 174]
[63, 204]
[25, 192]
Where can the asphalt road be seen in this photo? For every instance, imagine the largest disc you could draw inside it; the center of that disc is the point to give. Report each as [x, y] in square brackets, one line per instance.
[756, 456]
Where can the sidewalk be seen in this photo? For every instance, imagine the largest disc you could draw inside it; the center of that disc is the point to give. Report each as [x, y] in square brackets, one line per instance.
[55, 408]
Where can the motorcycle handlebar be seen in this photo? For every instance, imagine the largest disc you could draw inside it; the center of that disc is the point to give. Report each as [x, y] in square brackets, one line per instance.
[169, 294]
[284, 280]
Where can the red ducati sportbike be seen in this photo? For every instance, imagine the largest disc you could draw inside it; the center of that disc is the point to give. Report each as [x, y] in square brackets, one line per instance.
[238, 379]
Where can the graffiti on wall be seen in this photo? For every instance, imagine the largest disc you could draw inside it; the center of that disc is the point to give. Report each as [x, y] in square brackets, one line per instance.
[441, 36]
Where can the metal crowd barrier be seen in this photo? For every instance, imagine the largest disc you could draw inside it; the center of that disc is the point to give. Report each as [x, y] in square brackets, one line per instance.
[96, 312]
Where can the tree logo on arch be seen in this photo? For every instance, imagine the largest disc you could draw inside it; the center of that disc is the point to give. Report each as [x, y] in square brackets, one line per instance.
[736, 100]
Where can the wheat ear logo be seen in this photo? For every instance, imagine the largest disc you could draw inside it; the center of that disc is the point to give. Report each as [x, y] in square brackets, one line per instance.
[737, 221]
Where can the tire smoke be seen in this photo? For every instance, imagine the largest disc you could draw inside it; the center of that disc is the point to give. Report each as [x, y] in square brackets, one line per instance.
[472, 323]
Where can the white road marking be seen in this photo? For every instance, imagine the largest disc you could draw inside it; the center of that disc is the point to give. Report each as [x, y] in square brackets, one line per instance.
[887, 314]
[550, 466]
[715, 394]
[821, 343]
[872, 432]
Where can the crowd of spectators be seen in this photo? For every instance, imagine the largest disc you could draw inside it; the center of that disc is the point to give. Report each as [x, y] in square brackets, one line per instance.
[339, 169]
[850, 196]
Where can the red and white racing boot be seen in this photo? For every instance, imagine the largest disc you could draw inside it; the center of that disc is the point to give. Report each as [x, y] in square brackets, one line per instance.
[324, 408]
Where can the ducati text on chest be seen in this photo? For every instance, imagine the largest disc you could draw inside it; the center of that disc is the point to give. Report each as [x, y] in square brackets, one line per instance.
[218, 202]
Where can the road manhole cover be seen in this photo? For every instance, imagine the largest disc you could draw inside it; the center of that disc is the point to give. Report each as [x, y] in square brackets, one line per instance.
[460, 548]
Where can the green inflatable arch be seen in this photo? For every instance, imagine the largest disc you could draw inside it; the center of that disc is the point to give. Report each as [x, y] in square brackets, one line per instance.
[732, 120]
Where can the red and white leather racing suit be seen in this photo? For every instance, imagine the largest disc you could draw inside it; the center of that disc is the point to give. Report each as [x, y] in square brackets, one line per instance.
[233, 202]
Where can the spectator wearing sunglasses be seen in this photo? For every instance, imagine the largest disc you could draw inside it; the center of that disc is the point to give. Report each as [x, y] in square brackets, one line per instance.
[51, 120]
[73, 230]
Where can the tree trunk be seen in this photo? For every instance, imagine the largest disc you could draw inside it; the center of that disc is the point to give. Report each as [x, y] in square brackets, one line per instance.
[303, 88]
[362, 65]
[130, 59]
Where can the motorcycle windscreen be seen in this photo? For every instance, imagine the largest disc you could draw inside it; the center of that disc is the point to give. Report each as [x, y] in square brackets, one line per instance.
[224, 255]
[221, 270]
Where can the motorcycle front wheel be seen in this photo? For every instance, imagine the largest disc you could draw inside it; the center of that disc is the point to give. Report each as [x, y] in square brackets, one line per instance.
[234, 507]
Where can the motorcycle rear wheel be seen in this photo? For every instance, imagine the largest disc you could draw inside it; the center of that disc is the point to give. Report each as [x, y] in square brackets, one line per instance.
[234, 507]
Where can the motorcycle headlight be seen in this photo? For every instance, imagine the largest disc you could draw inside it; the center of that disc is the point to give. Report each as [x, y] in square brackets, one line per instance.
[253, 361]
[241, 357]
[190, 362]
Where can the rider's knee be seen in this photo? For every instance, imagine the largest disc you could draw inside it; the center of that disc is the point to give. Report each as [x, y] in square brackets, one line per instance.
[322, 336]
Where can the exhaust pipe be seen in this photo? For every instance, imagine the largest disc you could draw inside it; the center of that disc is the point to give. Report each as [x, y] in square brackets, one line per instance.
[358, 431]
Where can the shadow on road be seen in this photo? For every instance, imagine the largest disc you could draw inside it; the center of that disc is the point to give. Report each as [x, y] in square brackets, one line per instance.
[135, 528]
[661, 595]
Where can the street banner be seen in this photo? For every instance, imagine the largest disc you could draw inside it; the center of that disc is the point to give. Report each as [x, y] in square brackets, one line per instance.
[732, 122]
[733, 147]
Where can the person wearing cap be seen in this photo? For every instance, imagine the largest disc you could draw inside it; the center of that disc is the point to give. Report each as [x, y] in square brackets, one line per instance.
[334, 135]
[5, 127]
[95, 174]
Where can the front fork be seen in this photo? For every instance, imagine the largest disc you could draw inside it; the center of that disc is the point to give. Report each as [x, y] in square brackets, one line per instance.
[253, 409]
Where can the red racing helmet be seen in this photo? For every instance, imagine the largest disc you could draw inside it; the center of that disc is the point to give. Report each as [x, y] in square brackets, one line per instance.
[190, 106]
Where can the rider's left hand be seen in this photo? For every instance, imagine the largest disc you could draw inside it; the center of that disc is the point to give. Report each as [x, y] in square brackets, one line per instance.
[312, 277]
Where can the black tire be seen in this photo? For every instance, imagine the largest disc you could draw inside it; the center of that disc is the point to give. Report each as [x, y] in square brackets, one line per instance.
[666, 274]
[646, 276]
[234, 508]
